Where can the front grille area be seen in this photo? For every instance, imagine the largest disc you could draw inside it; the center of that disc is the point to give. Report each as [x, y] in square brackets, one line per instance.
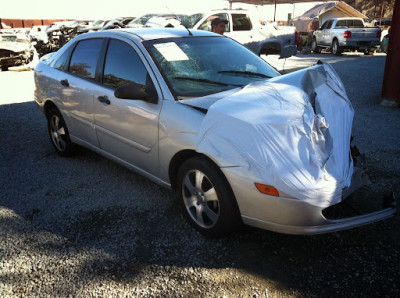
[362, 201]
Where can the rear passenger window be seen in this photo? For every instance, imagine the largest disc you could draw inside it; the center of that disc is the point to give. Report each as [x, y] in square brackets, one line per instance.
[241, 22]
[62, 62]
[84, 58]
[123, 65]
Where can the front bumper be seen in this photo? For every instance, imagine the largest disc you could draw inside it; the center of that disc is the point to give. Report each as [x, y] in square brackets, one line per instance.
[292, 216]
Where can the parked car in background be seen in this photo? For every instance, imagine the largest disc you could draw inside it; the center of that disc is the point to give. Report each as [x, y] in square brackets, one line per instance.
[113, 24]
[340, 34]
[259, 36]
[94, 26]
[199, 113]
[15, 50]
[142, 21]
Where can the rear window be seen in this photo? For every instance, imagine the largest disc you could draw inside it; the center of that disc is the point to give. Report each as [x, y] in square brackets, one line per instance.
[350, 23]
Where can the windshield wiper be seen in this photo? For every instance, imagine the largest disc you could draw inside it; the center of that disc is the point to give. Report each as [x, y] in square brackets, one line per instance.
[206, 81]
[250, 73]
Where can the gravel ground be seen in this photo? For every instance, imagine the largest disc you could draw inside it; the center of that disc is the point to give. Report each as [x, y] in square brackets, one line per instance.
[85, 226]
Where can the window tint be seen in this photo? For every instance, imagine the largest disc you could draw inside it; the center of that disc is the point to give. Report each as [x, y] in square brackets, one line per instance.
[123, 65]
[241, 22]
[84, 58]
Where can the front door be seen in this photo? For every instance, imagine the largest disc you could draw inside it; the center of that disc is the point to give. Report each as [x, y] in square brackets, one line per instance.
[126, 128]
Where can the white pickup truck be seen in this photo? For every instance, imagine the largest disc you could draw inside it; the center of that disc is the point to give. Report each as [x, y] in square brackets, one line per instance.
[258, 36]
[341, 34]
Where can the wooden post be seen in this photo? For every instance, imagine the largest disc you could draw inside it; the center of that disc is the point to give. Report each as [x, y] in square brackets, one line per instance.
[391, 87]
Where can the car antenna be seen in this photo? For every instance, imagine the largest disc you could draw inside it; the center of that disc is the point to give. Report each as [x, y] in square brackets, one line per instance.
[176, 16]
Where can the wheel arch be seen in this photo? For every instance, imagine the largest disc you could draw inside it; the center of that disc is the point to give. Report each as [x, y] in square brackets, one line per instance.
[178, 159]
[270, 48]
[48, 106]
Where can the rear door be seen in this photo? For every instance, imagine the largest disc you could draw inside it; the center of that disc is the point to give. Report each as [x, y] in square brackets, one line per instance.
[76, 87]
[127, 129]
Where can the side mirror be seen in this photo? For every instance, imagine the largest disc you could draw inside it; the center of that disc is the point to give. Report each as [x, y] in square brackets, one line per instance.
[135, 91]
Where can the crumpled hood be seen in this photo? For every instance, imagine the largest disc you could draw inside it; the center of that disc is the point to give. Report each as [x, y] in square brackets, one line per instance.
[292, 132]
[206, 101]
[16, 47]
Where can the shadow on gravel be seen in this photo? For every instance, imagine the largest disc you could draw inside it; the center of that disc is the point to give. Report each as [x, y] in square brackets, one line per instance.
[90, 219]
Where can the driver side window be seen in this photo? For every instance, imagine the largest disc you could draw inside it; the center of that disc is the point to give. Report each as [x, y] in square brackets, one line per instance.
[324, 25]
[123, 65]
[206, 25]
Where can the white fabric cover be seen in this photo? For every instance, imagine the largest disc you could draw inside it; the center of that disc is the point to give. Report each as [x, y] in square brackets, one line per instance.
[271, 130]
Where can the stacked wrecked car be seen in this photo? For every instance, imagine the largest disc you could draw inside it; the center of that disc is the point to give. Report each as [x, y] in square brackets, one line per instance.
[15, 50]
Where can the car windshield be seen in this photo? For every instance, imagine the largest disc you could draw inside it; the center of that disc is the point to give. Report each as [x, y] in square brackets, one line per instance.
[13, 38]
[200, 66]
[8, 38]
[190, 20]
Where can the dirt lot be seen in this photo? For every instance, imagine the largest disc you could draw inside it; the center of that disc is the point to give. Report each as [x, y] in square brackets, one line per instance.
[85, 226]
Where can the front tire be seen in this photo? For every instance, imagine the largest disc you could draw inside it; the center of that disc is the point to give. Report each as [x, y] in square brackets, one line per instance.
[58, 133]
[336, 49]
[207, 198]
[314, 47]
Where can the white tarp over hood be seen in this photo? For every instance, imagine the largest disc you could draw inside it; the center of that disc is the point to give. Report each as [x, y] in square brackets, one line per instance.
[292, 132]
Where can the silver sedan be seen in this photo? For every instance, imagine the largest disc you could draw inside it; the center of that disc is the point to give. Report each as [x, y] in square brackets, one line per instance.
[199, 113]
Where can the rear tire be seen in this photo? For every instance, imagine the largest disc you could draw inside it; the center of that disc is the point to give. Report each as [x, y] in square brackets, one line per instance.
[336, 49]
[59, 134]
[207, 198]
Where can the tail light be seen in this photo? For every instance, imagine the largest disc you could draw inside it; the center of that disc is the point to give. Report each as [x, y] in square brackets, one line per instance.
[347, 34]
[379, 34]
[296, 37]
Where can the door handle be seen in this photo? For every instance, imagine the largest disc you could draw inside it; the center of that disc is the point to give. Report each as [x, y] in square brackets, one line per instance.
[64, 83]
[104, 99]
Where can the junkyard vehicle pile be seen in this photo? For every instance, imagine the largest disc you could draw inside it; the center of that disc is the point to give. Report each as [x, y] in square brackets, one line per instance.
[261, 38]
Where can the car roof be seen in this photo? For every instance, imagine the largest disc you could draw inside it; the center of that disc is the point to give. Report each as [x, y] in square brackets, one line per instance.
[153, 33]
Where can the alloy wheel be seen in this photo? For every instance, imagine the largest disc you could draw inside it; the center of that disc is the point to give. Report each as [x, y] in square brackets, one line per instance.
[200, 199]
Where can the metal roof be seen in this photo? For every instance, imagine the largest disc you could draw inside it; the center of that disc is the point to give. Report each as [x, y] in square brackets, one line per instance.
[265, 2]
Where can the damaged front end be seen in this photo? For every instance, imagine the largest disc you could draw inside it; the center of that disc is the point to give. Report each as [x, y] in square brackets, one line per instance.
[292, 134]
[14, 51]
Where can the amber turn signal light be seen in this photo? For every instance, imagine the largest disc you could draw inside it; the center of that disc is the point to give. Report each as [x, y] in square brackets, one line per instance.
[267, 189]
